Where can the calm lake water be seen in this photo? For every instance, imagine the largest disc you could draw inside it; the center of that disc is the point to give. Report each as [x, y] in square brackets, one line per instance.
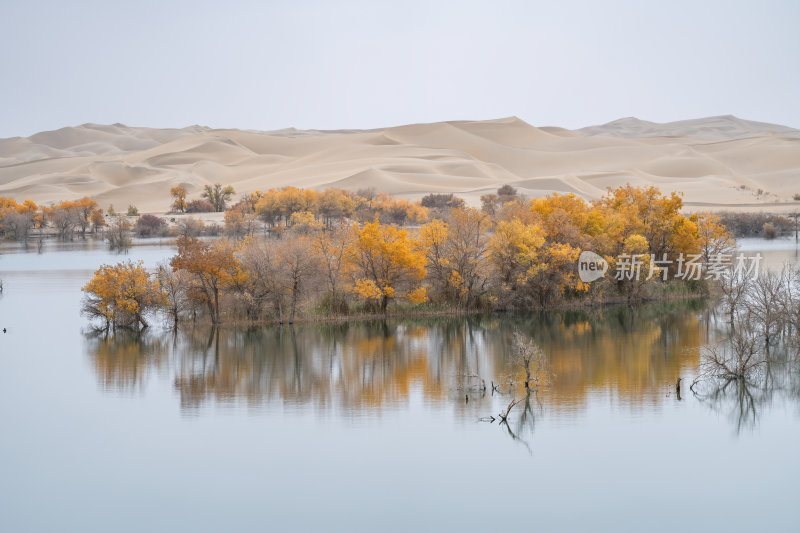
[377, 425]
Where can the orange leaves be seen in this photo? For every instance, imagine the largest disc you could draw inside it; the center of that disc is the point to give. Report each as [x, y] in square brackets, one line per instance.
[214, 266]
[215, 261]
[368, 289]
[121, 294]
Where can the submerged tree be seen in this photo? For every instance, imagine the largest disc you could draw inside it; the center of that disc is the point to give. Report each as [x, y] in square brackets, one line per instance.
[531, 358]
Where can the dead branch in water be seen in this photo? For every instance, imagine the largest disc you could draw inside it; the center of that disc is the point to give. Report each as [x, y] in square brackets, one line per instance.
[504, 416]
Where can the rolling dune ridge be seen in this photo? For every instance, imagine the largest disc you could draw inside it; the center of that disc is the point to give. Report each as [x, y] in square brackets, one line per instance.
[717, 162]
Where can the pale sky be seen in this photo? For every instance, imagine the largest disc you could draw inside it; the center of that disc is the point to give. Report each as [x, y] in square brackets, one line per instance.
[366, 64]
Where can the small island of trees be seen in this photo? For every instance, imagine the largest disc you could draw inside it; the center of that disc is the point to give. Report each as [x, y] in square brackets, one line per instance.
[291, 253]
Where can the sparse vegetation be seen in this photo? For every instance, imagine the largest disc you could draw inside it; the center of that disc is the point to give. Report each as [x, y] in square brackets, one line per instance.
[752, 224]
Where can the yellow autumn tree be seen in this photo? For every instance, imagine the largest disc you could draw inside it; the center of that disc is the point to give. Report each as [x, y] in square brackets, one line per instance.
[714, 239]
[514, 249]
[456, 256]
[122, 295]
[213, 266]
[386, 263]
[178, 194]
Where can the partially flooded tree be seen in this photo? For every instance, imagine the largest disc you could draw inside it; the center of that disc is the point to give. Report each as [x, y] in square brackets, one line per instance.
[765, 303]
[738, 357]
[531, 359]
[176, 286]
[65, 219]
[734, 285]
[118, 234]
[122, 295]
[213, 266]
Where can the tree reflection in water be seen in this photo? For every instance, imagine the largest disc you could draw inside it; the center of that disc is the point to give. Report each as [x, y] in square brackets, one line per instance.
[356, 368]
[743, 400]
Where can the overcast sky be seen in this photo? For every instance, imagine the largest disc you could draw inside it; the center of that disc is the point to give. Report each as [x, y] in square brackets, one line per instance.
[351, 64]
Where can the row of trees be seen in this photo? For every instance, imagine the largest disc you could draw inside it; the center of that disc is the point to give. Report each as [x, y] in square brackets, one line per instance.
[521, 257]
[67, 217]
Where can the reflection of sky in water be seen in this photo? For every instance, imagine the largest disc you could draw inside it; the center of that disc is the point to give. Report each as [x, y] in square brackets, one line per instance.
[775, 252]
[362, 427]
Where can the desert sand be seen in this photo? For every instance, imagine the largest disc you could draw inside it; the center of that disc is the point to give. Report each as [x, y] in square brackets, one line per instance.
[717, 163]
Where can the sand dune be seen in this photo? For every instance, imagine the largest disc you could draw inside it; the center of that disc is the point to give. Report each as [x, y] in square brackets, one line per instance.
[723, 161]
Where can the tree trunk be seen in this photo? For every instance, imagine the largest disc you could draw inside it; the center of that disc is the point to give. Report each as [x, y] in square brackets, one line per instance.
[215, 313]
[294, 303]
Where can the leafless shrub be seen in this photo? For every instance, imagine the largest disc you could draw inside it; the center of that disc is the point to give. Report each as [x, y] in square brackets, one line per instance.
[118, 235]
[176, 285]
[734, 285]
[190, 227]
[765, 305]
[17, 225]
[529, 356]
[741, 356]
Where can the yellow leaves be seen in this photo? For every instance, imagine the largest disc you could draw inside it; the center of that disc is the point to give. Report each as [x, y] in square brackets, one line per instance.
[121, 293]
[636, 244]
[305, 222]
[713, 237]
[515, 243]
[434, 234]
[417, 296]
[684, 236]
[367, 289]
[387, 257]
[179, 199]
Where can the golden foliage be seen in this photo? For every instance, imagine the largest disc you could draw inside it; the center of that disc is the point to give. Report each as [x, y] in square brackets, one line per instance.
[121, 294]
[385, 259]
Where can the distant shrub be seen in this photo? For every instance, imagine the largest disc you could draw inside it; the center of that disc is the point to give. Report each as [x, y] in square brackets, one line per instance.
[213, 229]
[199, 206]
[752, 224]
[150, 225]
[768, 230]
[190, 227]
[132, 211]
[435, 200]
[506, 190]
[797, 197]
